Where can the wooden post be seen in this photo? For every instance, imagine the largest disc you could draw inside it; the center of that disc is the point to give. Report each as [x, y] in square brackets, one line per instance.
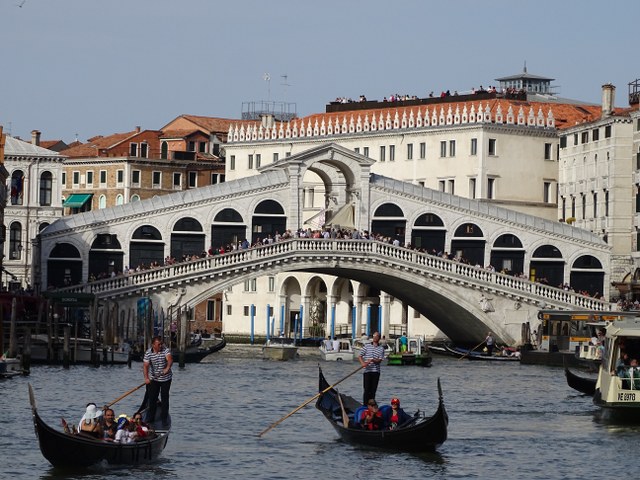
[65, 346]
[13, 340]
[26, 353]
[93, 319]
[183, 336]
[1, 330]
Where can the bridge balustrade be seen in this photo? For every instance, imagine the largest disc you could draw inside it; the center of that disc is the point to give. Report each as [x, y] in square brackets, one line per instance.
[447, 270]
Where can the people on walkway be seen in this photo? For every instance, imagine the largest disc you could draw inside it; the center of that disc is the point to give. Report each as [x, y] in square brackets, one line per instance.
[156, 367]
[370, 358]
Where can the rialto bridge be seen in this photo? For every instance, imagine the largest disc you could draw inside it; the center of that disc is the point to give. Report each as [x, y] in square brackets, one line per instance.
[459, 294]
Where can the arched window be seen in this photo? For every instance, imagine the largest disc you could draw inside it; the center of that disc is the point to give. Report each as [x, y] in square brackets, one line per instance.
[102, 201]
[46, 185]
[119, 199]
[15, 241]
[17, 186]
[135, 198]
[164, 150]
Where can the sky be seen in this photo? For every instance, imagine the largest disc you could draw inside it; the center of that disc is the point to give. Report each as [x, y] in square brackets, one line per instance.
[80, 68]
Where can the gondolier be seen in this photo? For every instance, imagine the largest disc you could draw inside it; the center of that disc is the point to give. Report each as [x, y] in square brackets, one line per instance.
[157, 375]
[371, 357]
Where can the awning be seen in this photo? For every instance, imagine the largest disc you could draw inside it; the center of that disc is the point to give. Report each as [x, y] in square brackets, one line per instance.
[77, 200]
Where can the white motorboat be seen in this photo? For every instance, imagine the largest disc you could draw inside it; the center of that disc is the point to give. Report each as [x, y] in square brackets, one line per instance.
[336, 350]
[618, 385]
[79, 351]
[279, 348]
[10, 367]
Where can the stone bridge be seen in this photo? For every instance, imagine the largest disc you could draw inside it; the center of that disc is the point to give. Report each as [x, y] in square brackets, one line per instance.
[462, 300]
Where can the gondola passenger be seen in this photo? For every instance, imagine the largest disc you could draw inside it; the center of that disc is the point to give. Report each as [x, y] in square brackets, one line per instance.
[90, 425]
[371, 417]
[398, 416]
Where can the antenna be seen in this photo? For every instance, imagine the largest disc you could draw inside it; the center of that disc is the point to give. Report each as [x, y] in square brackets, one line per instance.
[285, 84]
[267, 78]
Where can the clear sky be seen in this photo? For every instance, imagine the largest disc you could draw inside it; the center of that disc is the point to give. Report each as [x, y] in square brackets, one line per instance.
[97, 67]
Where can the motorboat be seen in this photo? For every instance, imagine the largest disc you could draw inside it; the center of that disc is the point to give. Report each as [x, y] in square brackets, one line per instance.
[79, 351]
[10, 367]
[279, 348]
[617, 389]
[410, 351]
[336, 350]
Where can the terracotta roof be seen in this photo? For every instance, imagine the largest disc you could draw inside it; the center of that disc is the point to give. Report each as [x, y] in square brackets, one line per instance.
[566, 115]
[97, 143]
[211, 124]
[177, 133]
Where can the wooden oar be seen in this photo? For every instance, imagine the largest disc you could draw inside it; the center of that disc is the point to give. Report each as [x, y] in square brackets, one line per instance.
[345, 417]
[125, 394]
[304, 404]
[471, 350]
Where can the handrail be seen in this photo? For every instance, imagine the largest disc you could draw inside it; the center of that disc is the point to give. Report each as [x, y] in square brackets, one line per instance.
[299, 248]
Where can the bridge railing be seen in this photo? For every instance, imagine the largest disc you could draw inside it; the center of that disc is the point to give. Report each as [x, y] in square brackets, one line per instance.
[450, 269]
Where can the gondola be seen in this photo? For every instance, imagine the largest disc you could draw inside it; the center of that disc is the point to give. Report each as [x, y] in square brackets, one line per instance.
[471, 355]
[192, 354]
[76, 451]
[419, 434]
[582, 384]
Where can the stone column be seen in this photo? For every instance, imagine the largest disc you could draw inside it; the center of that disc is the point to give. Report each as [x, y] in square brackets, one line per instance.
[385, 301]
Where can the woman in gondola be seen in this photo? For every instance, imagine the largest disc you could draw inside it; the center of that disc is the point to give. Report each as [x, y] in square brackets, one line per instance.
[90, 425]
[398, 416]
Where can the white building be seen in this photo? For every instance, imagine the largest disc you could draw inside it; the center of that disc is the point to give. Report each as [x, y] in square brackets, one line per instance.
[34, 201]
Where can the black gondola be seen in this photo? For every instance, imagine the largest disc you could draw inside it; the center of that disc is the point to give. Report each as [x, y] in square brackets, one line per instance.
[419, 434]
[586, 385]
[192, 354]
[471, 355]
[76, 451]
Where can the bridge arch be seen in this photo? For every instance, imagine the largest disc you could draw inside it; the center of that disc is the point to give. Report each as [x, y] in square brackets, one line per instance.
[468, 243]
[146, 247]
[428, 233]
[389, 220]
[64, 265]
[187, 238]
[290, 294]
[228, 227]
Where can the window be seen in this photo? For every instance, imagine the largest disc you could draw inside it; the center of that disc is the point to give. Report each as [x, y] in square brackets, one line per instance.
[246, 310]
[595, 135]
[177, 180]
[365, 151]
[472, 188]
[211, 310]
[89, 178]
[452, 148]
[258, 160]
[191, 146]
[164, 151]
[214, 178]
[102, 201]
[410, 151]
[119, 199]
[202, 147]
[133, 149]
[76, 179]
[423, 150]
[452, 184]
[144, 150]
[103, 178]
[607, 131]
[119, 177]
[250, 162]
[275, 157]
[46, 185]
[443, 149]
[357, 149]
[193, 179]
[287, 154]
[156, 179]
[573, 207]
[246, 285]
[491, 184]
[441, 185]
[272, 284]
[474, 146]
[595, 204]
[584, 206]
[135, 178]
[575, 139]
[392, 153]
[254, 284]
[64, 179]
[564, 208]
[229, 309]
[232, 162]
[492, 146]
[563, 141]
[547, 192]
[547, 151]
[382, 153]
[585, 137]
[15, 240]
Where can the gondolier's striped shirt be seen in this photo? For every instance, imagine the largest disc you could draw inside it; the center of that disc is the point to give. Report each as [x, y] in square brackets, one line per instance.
[370, 351]
[157, 363]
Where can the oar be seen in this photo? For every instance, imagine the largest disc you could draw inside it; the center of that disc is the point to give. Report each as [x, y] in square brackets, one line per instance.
[125, 394]
[308, 402]
[345, 417]
[471, 350]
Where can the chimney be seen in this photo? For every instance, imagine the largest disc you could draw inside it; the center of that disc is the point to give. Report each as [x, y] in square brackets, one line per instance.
[137, 128]
[35, 137]
[608, 97]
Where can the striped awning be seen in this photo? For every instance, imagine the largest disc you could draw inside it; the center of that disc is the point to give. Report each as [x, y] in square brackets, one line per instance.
[77, 200]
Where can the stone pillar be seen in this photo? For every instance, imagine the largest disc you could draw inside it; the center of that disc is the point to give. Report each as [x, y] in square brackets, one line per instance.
[357, 301]
[385, 301]
[306, 301]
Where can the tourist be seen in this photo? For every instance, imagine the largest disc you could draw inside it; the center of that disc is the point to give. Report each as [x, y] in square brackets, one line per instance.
[371, 417]
[398, 416]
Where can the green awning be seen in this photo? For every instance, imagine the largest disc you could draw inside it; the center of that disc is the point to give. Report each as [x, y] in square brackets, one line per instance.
[77, 200]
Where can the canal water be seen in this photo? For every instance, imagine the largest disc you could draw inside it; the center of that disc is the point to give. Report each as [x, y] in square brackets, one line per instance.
[506, 421]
